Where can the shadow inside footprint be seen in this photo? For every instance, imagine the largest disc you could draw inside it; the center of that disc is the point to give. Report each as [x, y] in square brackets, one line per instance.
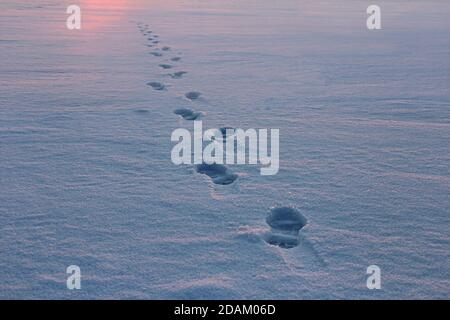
[156, 85]
[218, 173]
[187, 114]
[178, 74]
[141, 111]
[165, 66]
[165, 48]
[285, 224]
[227, 132]
[175, 59]
[192, 95]
[156, 53]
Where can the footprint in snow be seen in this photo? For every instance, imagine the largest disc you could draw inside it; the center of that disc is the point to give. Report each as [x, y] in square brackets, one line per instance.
[218, 173]
[285, 224]
[156, 85]
[227, 132]
[177, 75]
[156, 54]
[188, 114]
[141, 111]
[165, 66]
[193, 95]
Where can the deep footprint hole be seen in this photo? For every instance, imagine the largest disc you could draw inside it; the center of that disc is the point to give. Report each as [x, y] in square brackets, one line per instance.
[218, 173]
[165, 66]
[156, 85]
[193, 95]
[178, 74]
[285, 224]
[187, 114]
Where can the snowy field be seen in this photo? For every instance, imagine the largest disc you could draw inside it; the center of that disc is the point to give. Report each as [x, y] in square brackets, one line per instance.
[86, 176]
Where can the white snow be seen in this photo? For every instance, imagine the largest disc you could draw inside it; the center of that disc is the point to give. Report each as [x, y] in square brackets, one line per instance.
[87, 179]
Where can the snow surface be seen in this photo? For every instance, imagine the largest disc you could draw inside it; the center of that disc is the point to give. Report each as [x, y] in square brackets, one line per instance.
[86, 176]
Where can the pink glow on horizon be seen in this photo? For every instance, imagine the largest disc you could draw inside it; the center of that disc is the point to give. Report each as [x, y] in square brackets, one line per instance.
[97, 14]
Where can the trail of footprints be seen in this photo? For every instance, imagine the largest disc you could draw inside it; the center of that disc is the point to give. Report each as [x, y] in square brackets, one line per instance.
[219, 174]
[284, 222]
